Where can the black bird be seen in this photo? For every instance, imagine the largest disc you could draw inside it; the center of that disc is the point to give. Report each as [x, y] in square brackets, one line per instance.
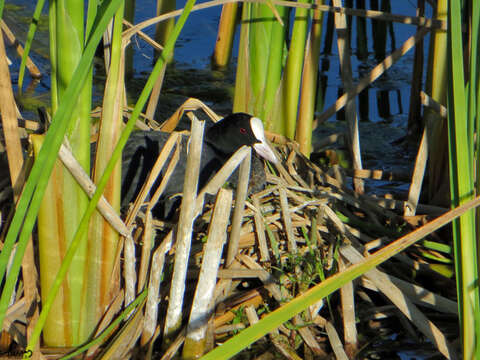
[221, 140]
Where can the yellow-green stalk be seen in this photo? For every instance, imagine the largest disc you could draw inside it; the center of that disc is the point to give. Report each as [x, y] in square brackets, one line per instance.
[309, 85]
[293, 69]
[103, 239]
[226, 31]
[436, 87]
[70, 201]
[462, 178]
[276, 62]
[51, 250]
[164, 28]
[242, 94]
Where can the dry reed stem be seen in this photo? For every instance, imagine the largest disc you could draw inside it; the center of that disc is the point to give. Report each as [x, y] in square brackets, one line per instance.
[16, 312]
[434, 105]
[403, 303]
[11, 131]
[238, 273]
[378, 175]
[129, 272]
[219, 179]
[166, 177]
[173, 348]
[203, 303]
[153, 296]
[114, 308]
[155, 45]
[350, 334]
[191, 104]
[266, 278]
[399, 205]
[308, 336]
[30, 65]
[287, 221]
[9, 123]
[173, 140]
[335, 341]
[155, 94]
[123, 342]
[419, 295]
[417, 178]
[148, 238]
[184, 230]
[84, 181]
[241, 195]
[350, 107]
[260, 230]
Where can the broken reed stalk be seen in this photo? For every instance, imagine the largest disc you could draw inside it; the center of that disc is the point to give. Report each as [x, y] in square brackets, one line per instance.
[173, 140]
[153, 297]
[241, 195]
[417, 177]
[77, 171]
[403, 303]
[347, 80]
[184, 231]
[203, 301]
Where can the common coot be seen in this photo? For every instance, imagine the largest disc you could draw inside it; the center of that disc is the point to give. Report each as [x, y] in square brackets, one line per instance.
[221, 140]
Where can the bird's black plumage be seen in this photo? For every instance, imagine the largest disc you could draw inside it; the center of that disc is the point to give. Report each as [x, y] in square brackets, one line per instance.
[221, 140]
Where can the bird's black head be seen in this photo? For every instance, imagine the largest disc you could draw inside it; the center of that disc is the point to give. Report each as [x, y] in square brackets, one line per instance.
[236, 130]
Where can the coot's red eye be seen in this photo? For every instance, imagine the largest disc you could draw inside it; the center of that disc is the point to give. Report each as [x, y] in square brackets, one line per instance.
[243, 131]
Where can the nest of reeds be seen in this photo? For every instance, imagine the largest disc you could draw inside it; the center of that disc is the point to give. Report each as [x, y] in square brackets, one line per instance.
[220, 267]
[307, 225]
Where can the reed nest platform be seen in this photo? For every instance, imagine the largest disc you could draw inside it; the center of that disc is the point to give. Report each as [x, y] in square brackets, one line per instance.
[224, 264]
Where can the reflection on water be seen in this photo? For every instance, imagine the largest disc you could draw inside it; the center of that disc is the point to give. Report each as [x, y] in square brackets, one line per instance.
[385, 100]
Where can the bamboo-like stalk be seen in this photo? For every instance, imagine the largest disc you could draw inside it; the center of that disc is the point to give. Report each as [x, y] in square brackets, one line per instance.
[103, 239]
[273, 82]
[70, 201]
[350, 110]
[53, 146]
[437, 130]
[29, 203]
[51, 252]
[462, 181]
[226, 31]
[293, 69]
[303, 134]
[260, 231]
[243, 91]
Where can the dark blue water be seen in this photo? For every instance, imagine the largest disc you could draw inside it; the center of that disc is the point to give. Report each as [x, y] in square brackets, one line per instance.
[387, 98]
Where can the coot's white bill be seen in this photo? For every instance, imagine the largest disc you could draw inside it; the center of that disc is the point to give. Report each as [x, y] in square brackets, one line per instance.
[262, 148]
